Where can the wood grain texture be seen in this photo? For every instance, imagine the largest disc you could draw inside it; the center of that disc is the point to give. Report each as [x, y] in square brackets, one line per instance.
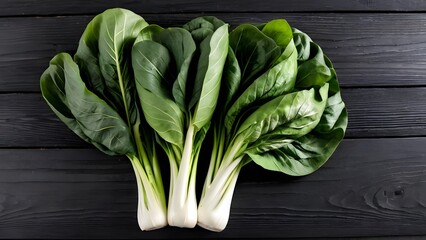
[370, 187]
[60, 7]
[27, 121]
[365, 48]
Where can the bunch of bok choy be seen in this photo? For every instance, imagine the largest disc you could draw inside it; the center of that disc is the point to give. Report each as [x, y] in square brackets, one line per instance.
[261, 93]
[282, 110]
[95, 95]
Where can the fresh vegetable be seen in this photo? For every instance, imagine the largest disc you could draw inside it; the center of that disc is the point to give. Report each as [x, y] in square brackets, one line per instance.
[282, 110]
[133, 87]
[178, 73]
[95, 96]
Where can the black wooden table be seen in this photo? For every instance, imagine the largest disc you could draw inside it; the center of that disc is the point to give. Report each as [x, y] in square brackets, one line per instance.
[53, 185]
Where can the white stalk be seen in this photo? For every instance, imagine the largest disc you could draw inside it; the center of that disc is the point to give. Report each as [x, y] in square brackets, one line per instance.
[182, 210]
[152, 210]
[215, 205]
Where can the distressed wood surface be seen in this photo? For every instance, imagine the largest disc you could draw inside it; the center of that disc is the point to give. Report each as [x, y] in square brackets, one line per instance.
[365, 49]
[61, 7]
[370, 187]
[27, 121]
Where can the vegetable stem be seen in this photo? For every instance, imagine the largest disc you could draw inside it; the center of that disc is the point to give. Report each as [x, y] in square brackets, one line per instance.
[216, 156]
[215, 205]
[142, 154]
[151, 203]
[182, 203]
[221, 143]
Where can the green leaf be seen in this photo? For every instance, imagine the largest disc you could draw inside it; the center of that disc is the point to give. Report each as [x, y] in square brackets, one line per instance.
[202, 27]
[303, 44]
[164, 116]
[52, 85]
[86, 57]
[280, 31]
[255, 51]
[218, 51]
[97, 119]
[202, 30]
[181, 46]
[86, 114]
[291, 114]
[303, 156]
[314, 71]
[151, 62]
[315, 68]
[148, 33]
[274, 82]
[231, 79]
[306, 154]
[269, 143]
[104, 58]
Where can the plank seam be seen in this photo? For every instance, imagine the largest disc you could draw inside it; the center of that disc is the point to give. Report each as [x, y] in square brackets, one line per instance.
[90, 147]
[216, 12]
[342, 87]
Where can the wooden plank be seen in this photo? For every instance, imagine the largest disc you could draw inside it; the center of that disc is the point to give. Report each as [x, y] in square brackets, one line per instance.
[389, 112]
[27, 121]
[370, 187]
[362, 57]
[54, 7]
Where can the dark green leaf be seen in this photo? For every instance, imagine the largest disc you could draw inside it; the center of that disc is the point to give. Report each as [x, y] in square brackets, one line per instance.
[104, 58]
[306, 154]
[255, 51]
[52, 85]
[86, 57]
[181, 46]
[83, 112]
[201, 27]
[202, 30]
[151, 61]
[303, 45]
[148, 33]
[280, 31]
[293, 114]
[164, 116]
[314, 71]
[231, 79]
[274, 82]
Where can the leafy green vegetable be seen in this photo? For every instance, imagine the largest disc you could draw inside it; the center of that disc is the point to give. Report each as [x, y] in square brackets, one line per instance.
[306, 154]
[132, 87]
[95, 96]
[282, 110]
[178, 73]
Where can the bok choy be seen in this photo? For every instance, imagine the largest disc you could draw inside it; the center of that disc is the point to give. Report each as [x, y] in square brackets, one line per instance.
[178, 73]
[261, 93]
[282, 110]
[95, 96]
